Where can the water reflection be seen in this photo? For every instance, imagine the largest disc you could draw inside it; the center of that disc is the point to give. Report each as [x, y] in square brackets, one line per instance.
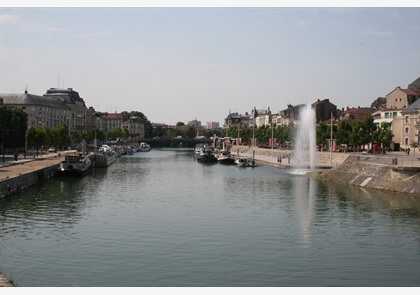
[162, 219]
[304, 192]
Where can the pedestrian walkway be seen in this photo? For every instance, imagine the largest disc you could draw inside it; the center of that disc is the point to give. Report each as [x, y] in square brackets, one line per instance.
[11, 168]
[285, 158]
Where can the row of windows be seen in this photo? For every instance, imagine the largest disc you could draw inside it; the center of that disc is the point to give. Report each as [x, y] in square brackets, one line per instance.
[407, 118]
[388, 115]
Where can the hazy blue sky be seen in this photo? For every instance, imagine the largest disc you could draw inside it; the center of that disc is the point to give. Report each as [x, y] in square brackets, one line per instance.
[180, 64]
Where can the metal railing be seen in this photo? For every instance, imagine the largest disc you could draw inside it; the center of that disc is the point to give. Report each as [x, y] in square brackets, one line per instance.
[389, 160]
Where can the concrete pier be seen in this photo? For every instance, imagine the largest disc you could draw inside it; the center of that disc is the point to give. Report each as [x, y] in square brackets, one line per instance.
[16, 176]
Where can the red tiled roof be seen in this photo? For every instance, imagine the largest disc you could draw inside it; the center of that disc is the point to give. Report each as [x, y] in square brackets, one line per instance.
[411, 92]
[112, 116]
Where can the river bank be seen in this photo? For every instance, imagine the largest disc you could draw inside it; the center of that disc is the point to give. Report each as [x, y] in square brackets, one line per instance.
[395, 172]
[391, 178]
[5, 282]
[16, 176]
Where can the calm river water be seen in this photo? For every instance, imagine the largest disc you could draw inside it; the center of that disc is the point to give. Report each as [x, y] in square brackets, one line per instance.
[163, 219]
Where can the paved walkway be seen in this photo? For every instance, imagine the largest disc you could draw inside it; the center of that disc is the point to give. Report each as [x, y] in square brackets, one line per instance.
[11, 168]
[324, 159]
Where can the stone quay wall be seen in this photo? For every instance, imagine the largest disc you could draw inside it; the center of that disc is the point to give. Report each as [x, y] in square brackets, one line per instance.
[18, 176]
[5, 282]
[396, 172]
[21, 183]
[391, 178]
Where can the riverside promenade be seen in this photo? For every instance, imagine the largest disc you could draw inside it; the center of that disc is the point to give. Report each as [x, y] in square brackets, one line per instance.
[16, 176]
[395, 172]
[281, 158]
[11, 168]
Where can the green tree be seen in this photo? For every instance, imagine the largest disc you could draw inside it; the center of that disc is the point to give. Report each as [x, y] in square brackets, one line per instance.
[343, 132]
[63, 138]
[13, 125]
[169, 134]
[382, 136]
[284, 134]
[37, 137]
[362, 133]
[32, 137]
[76, 137]
[262, 134]
[159, 131]
[117, 133]
[190, 132]
[369, 129]
[323, 133]
[355, 138]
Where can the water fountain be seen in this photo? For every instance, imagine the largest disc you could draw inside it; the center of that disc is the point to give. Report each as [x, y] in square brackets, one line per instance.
[305, 141]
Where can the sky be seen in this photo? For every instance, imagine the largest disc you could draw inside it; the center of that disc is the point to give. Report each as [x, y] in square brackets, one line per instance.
[183, 63]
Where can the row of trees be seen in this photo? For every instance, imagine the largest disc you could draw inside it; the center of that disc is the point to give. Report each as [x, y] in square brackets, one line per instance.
[13, 128]
[13, 123]
[283, 134]
[14, 133]
[356, 134]
[188, 132]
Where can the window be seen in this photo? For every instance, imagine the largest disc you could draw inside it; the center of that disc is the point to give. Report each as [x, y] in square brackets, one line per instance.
[406, 141]
[406, 119]
[406, 130]
[394, 114]
[386, 115]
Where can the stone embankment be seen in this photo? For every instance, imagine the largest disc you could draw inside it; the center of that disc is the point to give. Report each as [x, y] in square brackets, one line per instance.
[282, 158]
[392, 178]
[17, 176]
[395, 172]
[5, 282]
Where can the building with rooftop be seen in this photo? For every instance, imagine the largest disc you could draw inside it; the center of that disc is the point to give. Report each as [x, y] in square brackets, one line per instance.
[411, 125]
[42, 111]
[80, 114]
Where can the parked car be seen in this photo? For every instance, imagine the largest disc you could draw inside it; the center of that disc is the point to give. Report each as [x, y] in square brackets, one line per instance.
[52, 150]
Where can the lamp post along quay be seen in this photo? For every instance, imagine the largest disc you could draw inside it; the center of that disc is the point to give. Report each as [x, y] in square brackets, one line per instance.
[331, 138]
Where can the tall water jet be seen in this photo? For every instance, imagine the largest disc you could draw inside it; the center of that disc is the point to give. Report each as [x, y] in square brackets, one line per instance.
[305, 141]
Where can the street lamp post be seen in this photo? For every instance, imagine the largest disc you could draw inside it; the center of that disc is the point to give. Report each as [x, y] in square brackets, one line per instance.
[253, 131]
[237, 142]
[26, 143]
[14, 141]
[272, 138]
[331, 138]
[2, 145]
